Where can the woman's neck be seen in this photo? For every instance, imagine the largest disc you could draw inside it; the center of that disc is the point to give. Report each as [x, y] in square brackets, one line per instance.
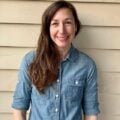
[64, 52]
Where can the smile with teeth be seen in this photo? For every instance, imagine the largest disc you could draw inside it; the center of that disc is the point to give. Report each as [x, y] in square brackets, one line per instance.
[62, 38]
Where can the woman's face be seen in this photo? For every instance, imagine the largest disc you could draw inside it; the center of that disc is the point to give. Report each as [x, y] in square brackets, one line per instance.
[62, 28]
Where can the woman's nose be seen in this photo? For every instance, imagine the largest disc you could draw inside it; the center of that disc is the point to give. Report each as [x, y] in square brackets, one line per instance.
[62, 28]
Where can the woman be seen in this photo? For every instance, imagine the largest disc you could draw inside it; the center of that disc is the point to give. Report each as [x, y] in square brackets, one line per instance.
[57, 82]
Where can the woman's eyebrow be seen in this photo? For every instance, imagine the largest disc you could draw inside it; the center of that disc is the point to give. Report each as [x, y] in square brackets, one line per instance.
[68, 19]
[55, 20]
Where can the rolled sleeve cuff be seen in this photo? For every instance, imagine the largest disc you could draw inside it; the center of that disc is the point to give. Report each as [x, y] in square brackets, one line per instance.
[91, 109]
[20, 104]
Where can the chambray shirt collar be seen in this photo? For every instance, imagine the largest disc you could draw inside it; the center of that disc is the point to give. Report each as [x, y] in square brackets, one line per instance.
[72, 54]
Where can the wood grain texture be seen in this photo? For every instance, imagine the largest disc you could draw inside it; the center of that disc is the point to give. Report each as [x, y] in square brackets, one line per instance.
[106, 60]
[19, 35]
[94, 14]
[103, 1]
[109, 103]
[5, 102]
[9, 79]
[15, 35]
[108, 82]
[99, 1]
[10, 58]
[6, 116]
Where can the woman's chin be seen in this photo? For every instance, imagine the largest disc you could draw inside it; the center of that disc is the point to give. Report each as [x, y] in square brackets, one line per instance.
[63, 46]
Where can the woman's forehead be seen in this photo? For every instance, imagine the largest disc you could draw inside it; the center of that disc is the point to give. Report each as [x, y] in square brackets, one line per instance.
[63, 13]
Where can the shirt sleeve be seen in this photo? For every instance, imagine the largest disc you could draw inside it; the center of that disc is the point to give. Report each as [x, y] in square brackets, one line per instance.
[22, 94]
[90, 102]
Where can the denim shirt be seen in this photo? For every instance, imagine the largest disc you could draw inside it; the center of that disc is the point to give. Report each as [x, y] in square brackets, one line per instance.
[74, 92]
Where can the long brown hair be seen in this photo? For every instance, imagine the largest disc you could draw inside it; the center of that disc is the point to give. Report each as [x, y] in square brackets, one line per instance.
[45, 66]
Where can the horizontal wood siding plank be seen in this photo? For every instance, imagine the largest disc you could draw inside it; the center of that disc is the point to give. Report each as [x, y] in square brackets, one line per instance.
[6, 116]
[5, 102]
[10, 58]
[99, 38]
[27, 36]
[9, 116]
[22, 11]
[99, 14]
[102, 117]
[107, 60]
[108, 82]
[109, 103]
[8, 79]
[108, 117]
[103, 1]
[19, 35]
[31, 11]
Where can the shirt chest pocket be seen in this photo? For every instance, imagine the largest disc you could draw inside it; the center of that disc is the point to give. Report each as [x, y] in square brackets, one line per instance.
[74, 89]
[41, 98]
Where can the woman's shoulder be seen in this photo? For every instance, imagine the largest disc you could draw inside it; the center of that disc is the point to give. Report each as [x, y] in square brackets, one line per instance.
[28, 57]
[84, 57]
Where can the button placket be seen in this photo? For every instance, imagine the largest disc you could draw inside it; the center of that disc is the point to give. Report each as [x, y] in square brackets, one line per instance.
[57, 98]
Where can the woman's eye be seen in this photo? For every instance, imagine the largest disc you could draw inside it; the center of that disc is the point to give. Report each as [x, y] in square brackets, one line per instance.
[54, 24]
[68, 22]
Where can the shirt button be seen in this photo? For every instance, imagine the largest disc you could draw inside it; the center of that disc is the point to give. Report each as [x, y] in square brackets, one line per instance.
[56, 95]
[58, 80]
[56, 110]
[76, 82]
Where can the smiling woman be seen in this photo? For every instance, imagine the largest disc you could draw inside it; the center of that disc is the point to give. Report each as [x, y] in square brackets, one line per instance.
[57, 80]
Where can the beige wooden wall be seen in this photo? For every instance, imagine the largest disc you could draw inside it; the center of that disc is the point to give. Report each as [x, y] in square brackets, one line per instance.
[100, 38]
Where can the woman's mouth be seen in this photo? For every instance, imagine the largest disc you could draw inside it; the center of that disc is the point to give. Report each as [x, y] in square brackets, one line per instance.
[62, 38]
